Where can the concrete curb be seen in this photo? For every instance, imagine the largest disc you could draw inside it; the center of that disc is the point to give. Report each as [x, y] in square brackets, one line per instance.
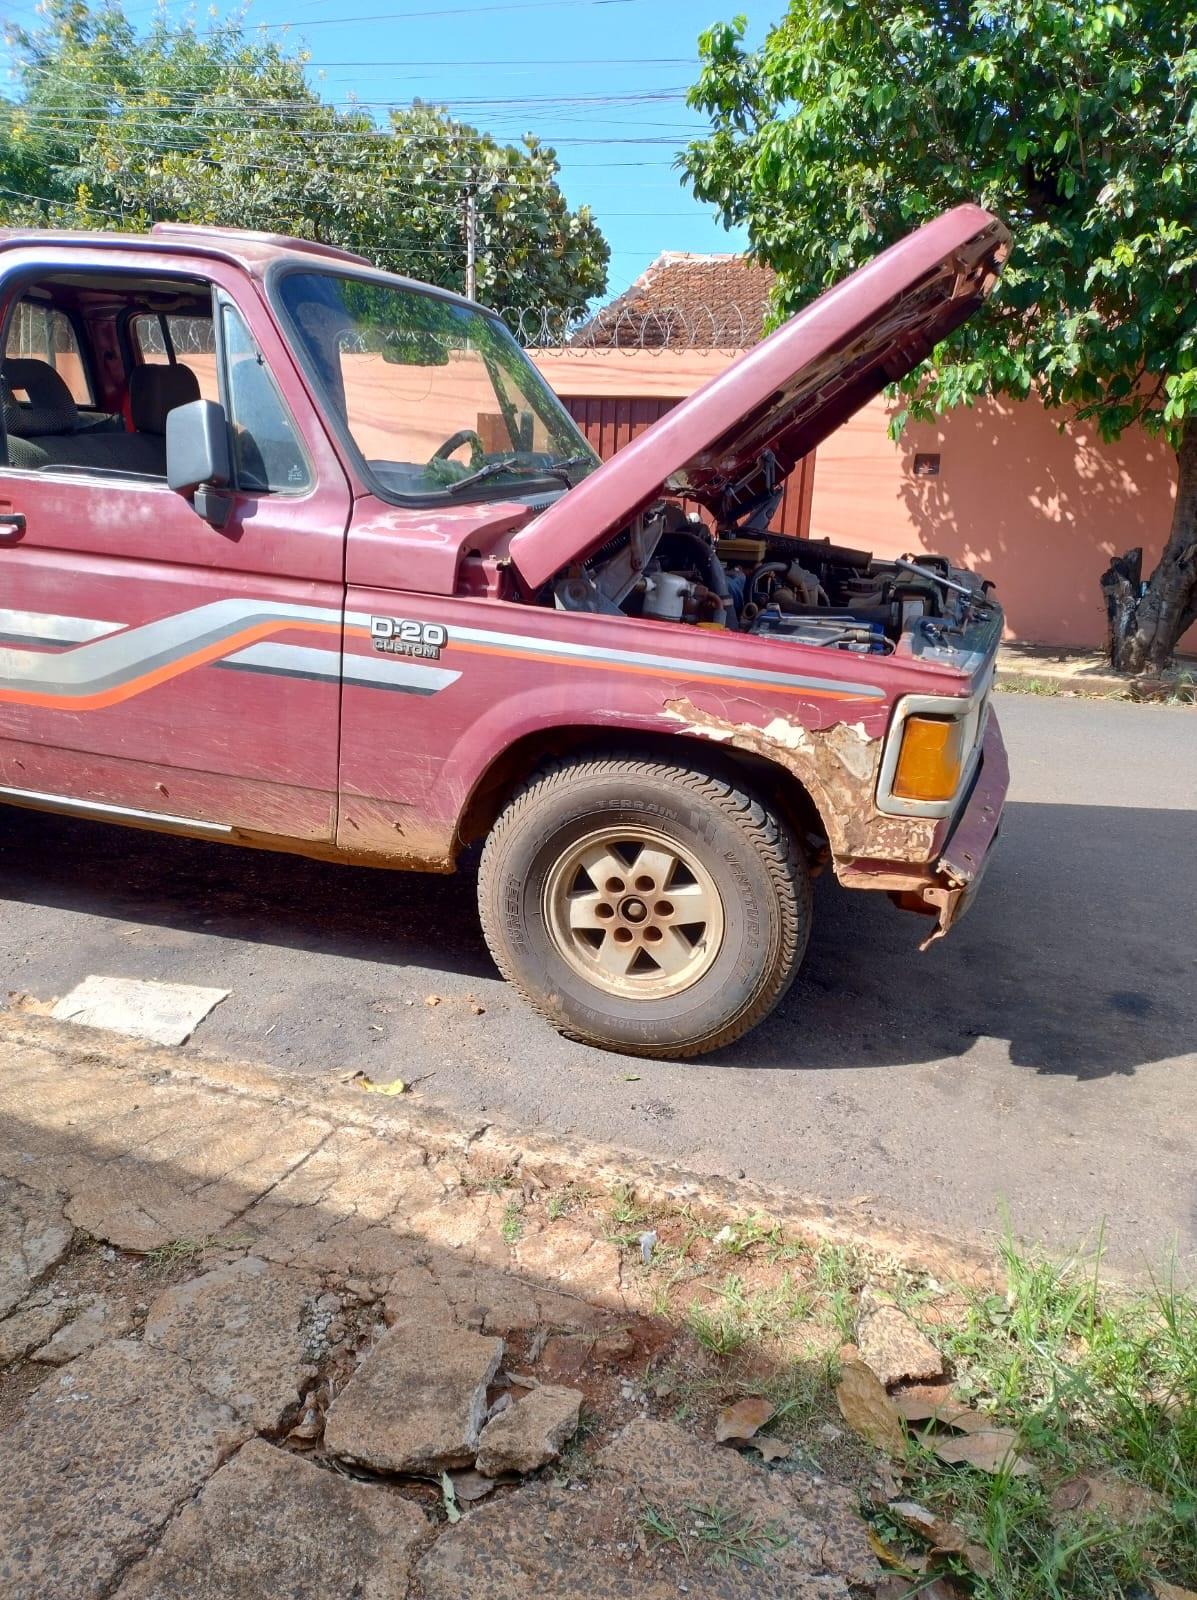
[488, 1149]
[1097, 685]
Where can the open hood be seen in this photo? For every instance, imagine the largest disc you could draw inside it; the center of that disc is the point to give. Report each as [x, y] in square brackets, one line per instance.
[784, 397]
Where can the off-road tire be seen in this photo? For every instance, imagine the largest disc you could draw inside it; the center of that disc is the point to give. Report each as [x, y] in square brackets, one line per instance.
[760, 871]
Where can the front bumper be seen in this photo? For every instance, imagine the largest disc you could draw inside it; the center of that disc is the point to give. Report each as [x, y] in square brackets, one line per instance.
[969, 846]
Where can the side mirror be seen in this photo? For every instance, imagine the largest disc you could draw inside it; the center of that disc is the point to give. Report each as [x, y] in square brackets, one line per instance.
[198, 461]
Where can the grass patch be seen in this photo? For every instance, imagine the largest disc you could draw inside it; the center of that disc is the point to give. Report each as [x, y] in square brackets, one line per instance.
[512, 1223]
[183, 1252]
[1100, 1384]
[574, 1462]
[715, 1533]
[564, 1202]
[1048, 687]
[717, 1328]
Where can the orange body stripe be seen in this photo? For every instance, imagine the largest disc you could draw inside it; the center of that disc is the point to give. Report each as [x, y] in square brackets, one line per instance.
[262, 630]
[162, 674]
[652, 672]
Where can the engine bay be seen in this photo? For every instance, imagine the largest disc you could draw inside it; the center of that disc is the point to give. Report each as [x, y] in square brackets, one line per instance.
[671, 567]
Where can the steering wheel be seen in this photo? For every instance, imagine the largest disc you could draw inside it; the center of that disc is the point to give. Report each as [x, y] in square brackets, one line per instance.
[455, 442]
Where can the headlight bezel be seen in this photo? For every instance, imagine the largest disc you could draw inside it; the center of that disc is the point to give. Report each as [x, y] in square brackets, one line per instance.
[972, 711]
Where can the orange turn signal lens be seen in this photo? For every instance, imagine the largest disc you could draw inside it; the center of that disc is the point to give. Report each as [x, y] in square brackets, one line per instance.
[931, 759]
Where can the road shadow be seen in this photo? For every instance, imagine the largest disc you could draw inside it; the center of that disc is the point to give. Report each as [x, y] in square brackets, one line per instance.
[1079, 950]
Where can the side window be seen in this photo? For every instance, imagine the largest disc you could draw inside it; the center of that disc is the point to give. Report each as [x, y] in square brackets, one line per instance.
[192, 342]
[266, 448]
[41, 333]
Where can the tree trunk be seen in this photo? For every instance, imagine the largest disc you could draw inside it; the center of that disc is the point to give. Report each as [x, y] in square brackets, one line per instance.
[1146, 622]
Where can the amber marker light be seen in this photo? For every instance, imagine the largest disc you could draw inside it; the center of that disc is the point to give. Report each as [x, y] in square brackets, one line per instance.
[931, 759]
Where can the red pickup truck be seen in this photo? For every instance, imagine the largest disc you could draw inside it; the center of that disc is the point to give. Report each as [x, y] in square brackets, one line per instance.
[300, 555]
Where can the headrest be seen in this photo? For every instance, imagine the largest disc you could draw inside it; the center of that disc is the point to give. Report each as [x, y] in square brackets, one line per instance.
[156, 390]
[51, 407]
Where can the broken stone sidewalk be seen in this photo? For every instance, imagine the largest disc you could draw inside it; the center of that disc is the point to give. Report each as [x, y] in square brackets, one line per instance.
[347, 1292]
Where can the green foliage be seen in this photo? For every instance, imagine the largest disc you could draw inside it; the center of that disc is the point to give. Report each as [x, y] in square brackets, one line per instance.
[114, 129]
[1074, 120]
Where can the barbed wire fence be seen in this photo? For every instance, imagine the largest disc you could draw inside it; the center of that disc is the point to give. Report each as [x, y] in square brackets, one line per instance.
[564, 330]
[576, 330]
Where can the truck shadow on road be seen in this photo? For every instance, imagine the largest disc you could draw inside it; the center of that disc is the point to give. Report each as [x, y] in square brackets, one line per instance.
[1078, 951]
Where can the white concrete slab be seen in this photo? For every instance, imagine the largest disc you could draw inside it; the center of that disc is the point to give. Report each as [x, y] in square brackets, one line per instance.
[163, 1013]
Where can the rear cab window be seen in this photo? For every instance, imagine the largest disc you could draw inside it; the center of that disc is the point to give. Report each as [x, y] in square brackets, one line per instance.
[162, 340]
[43, 333]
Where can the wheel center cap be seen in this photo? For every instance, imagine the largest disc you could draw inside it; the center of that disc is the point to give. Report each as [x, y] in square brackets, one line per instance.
[634, 910]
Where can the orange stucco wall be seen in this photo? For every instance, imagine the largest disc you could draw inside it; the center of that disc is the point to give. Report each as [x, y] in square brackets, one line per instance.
[1038, 511]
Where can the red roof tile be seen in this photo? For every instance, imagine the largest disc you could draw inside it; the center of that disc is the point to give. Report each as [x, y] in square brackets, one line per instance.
[686, 302]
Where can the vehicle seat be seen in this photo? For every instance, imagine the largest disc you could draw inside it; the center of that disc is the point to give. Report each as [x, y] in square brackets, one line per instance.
[51, 407]
[155, 391]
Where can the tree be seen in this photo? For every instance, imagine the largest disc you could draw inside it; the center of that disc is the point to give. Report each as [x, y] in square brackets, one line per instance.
[115, 129]
[1074, 120]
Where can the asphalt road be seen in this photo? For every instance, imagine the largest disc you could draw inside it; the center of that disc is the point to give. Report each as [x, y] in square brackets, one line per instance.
[1041, 1059]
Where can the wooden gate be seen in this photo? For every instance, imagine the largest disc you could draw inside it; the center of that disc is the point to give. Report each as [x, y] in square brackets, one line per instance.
[611, 422]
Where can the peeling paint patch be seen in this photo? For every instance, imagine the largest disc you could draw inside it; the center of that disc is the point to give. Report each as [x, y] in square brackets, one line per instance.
[837, 766]
[784, 732]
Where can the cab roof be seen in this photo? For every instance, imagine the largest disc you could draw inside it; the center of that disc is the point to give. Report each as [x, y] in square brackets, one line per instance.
[254, 252]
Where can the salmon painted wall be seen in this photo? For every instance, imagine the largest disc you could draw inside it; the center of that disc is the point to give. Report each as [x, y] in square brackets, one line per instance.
[1038, 511]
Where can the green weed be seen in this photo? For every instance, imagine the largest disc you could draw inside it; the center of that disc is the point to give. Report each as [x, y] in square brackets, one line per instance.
[715, 1532]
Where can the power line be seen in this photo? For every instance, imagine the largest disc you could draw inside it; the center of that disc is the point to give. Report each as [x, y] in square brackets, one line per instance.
[410, 16]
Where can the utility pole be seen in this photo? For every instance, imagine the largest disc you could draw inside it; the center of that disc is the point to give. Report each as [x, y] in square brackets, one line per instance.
[471, 233]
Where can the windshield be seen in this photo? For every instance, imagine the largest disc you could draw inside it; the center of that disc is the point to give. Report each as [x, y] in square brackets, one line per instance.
[432, 393]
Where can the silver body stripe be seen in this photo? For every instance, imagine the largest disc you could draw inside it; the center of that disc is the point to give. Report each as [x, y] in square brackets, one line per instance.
[665, 664]
[395, 672]
[38, 625]
[105, 662]
[116, 658]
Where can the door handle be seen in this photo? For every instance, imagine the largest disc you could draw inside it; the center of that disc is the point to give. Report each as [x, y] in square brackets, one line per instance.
[12, 526]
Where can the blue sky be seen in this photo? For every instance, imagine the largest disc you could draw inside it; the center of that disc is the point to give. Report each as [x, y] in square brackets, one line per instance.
[551, 63]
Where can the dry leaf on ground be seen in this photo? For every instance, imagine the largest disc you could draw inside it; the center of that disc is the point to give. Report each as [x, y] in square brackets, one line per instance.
[770, 1449]
[992, 1450]
[740, 1421]
[1124, 1502]
[944, 1537]
[867, 1409]
[932, 1406]
[893, 1587]
[396, 1086]
[469, 1485]
[911, 1566]
[1171, 1591]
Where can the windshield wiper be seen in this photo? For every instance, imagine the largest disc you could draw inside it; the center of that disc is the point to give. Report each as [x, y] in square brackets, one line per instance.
[560, 469]
[490, 469]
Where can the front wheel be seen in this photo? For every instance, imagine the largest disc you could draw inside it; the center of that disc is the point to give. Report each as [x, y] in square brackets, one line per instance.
[644, 907]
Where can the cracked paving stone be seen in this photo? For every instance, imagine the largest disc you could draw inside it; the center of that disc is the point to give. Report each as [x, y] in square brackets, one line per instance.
[33, 1322]
[572, 1258]
[101, 1456]
[671, 1468]
[893, 1347]
[243, 1332]
[98, 1319]
[529, 1434]
[545, 1540]
[417, 1402]
[34, 1236]
[270, 1524]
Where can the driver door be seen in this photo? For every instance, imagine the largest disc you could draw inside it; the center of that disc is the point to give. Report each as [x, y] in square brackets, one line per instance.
[154, 667]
